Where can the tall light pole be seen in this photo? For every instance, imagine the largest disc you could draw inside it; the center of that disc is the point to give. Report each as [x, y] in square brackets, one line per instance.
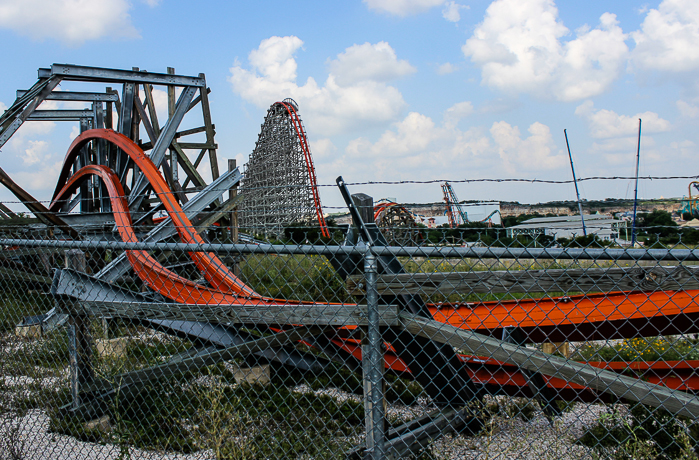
[582, 219]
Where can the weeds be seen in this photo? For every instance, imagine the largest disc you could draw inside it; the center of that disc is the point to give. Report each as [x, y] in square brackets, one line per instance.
[642, 433]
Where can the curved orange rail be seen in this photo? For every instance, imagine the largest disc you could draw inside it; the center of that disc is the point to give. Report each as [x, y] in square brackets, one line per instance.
[546, 317]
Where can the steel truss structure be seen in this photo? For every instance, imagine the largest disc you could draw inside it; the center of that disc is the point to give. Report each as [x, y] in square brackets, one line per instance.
[456, 214]
[126, 106]
[397, 224]
[280, 184]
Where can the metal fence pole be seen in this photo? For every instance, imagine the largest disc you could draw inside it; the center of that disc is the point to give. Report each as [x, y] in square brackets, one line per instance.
[79, 340]
[372, 355]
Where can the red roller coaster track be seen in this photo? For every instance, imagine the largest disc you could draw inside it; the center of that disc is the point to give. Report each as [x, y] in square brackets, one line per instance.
[303, 140]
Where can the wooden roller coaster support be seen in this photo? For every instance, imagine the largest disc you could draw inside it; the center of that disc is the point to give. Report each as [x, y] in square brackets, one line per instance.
[303, 139]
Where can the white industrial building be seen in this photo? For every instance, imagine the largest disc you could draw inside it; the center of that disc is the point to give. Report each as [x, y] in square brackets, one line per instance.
[602, 225]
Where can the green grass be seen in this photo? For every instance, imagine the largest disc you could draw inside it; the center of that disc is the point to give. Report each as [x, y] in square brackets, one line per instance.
[300, 277]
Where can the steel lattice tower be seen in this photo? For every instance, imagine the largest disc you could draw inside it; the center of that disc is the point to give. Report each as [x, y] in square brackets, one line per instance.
[280, 186]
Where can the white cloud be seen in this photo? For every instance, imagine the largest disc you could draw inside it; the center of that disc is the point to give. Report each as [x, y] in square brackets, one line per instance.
[451, 11]
[519, 49]
[3, 107]
[39, 179]
[687, 109]
[669, 37]
[69, 21]
[36, 152]
[402, 7]
[608, 124]
[536, 152]
[74, 132]
[418, 147]
[368, 62]
[457, 111]
[323, 148]
[686, 148]
[364, 99]
[152, 3]
[446, 68]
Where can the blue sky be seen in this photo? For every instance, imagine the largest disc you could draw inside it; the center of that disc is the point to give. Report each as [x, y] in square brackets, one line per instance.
[399, 90]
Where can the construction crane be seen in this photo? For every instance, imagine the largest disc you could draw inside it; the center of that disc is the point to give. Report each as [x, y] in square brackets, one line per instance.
[456, 214]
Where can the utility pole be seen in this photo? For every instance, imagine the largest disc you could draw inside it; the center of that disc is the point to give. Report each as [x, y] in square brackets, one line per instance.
[635, 193]
[575, 181]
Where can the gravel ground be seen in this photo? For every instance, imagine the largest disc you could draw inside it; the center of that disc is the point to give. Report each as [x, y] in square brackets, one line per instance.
[34, 441]
[503, 438]
[514, 438]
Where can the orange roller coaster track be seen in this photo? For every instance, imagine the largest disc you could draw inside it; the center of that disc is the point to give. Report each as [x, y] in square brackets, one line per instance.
[583, 317]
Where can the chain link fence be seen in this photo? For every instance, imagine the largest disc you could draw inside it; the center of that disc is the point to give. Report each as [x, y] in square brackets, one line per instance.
[245, 346]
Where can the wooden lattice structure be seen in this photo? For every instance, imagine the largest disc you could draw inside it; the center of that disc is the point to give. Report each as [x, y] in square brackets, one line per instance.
[280, 186]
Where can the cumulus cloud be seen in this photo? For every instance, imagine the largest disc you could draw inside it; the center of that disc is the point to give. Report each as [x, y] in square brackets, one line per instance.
[446, 68]
[535, 152]
[39, 179]
[669, 37]
[36, 152]
[418, 147]
[457, 111]
[323, 148]
[608, 124]
[344, 102]
[69, 21]
[368, 62]
[3, 107]
[688, 109]
[519, 48]
[402, 8]
[451, 11]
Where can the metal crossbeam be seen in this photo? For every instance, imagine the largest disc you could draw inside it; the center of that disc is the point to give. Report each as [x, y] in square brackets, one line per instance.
[76, 96]
[83, 73]
[61, 115]
[677, 402]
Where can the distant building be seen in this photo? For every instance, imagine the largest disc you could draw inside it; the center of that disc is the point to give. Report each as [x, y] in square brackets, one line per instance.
[604, 226]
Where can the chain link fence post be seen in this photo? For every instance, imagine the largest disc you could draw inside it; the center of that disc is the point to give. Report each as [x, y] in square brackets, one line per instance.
[79, 340]
[373, 365]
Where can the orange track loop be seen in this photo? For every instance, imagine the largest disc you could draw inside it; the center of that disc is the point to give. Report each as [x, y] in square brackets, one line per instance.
[228, 289]
[211, 266]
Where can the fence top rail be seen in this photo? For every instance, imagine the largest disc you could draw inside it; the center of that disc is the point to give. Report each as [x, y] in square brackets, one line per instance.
[360, 249]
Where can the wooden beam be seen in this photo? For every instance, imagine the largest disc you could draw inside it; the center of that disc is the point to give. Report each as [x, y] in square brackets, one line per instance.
[188, 168]
[212, 217]
[523, 281]
[677, 402]
[318, 314]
